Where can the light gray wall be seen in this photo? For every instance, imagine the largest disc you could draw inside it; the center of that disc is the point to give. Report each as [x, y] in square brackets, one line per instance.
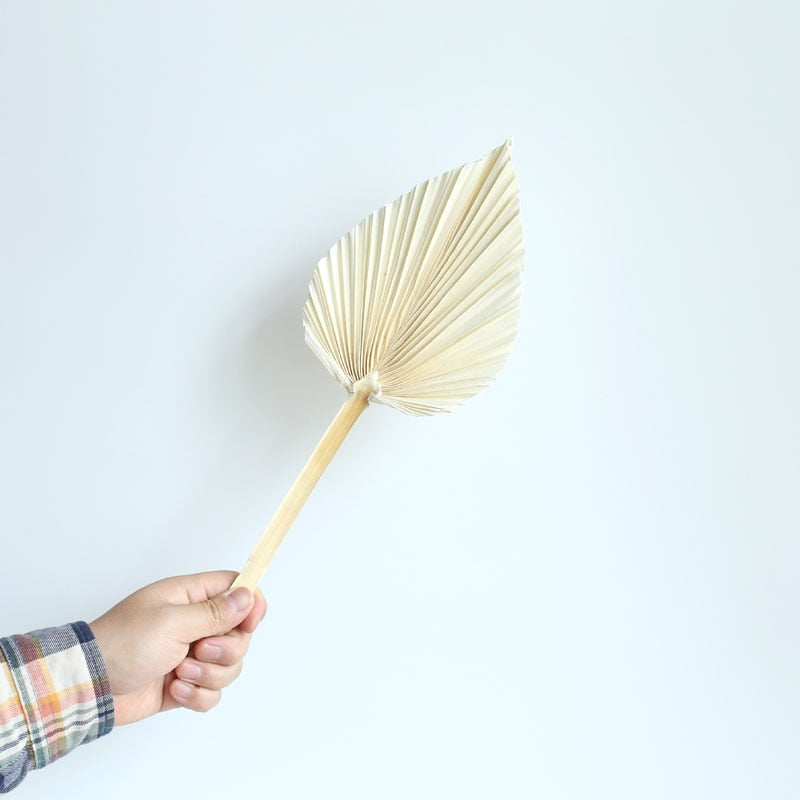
[582, 585]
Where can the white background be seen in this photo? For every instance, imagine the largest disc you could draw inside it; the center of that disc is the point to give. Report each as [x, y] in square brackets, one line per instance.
[582, 585]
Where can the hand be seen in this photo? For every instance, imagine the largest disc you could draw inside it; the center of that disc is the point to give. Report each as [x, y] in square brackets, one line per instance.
[176, 642]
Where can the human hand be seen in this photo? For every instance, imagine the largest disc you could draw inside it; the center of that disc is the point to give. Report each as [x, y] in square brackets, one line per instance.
[176, 642]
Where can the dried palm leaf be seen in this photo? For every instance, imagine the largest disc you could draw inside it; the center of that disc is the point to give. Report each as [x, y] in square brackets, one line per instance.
[416, 307]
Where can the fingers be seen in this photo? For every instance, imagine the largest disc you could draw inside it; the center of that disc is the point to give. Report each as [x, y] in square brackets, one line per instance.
[215, 615]
[202, 605]
[220, 624]
[196, 698]
[231, 647]
[217, 662]
[208, 676]
[194, 588]
[224, 650]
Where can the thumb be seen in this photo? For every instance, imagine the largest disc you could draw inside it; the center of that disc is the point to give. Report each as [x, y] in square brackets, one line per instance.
[214, 616]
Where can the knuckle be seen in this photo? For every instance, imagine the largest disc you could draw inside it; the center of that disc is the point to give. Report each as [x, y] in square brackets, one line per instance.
[215, 612]
[227, 677]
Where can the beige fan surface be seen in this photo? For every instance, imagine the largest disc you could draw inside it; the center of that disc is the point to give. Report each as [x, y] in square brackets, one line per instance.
[416, 307]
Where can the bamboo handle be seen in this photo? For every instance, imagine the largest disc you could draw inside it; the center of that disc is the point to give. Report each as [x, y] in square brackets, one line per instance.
[288, 510]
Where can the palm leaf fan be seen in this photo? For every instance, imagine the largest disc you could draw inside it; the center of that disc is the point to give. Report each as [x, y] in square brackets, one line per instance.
[416, 307]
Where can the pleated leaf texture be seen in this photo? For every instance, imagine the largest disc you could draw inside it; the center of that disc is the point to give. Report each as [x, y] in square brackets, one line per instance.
[421, 299]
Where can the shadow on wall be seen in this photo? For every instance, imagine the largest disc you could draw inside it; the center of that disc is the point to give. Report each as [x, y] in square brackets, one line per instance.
[279, 377]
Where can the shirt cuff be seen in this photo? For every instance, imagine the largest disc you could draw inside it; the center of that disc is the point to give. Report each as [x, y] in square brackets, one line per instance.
[63, 697]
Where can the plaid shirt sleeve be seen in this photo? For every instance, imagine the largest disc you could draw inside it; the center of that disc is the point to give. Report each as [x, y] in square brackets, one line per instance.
[54, 695]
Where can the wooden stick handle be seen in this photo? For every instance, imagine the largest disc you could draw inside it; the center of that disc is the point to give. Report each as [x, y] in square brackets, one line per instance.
[288, 510]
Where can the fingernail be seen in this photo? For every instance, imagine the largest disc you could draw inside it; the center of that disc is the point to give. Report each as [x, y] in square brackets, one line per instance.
[241, 598]
[211, 652]
[190, 671]
[181, 690]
